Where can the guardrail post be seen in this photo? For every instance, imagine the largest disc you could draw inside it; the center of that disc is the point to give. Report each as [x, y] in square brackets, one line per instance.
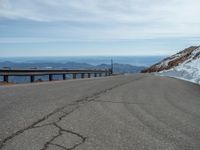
[74, 75]
[32, 78]
[82, 75]
[5, 78]
[106, 74]
[89, 75]
[110, 72]
[50, 77]
[64, 77]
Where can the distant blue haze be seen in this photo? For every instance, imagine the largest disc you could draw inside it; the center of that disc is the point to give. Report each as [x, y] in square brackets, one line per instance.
[93, 60]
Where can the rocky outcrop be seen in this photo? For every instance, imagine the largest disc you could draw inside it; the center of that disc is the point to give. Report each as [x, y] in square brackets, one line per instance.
[187, 54]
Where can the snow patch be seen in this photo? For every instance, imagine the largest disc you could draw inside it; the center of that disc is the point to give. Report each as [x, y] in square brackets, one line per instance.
[188, 70]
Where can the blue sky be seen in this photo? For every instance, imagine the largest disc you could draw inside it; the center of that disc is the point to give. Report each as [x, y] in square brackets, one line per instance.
[97, 27]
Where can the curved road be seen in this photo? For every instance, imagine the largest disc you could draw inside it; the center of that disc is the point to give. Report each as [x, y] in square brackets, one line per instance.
[130, 112]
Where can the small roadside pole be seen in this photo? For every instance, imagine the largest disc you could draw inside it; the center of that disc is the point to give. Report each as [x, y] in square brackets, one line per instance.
[112, 66]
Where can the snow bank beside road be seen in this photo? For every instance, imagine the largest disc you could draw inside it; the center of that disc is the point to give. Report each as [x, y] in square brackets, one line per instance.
[187, 71]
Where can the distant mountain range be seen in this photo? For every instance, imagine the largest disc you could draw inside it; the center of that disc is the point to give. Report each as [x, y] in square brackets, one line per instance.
[184, 65]
[118, 68]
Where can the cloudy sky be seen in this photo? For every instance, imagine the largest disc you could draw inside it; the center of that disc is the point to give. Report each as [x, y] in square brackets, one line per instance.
[97, 27]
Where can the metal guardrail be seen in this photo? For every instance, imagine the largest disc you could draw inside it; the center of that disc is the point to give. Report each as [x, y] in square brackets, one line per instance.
[50, 72]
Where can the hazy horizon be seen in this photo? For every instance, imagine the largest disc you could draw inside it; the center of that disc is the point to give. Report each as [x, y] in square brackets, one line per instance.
[93, 60]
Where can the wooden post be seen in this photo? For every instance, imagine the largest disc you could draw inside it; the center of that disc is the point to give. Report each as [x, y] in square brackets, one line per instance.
[32, 78]
[5, 78]
[74, 75]
[82, 75]
[64, 77]
[50, 77]
[89, 75]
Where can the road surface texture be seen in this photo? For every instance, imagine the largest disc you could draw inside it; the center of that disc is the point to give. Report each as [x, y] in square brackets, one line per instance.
[129, 112]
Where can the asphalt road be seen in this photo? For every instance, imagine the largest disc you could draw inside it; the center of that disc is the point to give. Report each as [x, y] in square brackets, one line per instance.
[130, 112]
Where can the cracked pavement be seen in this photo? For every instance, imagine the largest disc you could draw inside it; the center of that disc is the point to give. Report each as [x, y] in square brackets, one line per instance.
[140, 111]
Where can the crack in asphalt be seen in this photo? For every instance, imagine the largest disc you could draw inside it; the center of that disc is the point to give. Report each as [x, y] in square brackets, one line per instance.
[62, 147]
[54, 123]
[120, 102]
[3, 142]
[58, 119]
[60, 133]
[61, 130]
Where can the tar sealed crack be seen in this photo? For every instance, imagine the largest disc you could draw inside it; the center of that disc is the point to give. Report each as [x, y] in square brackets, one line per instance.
[60, 133]
[37, 123]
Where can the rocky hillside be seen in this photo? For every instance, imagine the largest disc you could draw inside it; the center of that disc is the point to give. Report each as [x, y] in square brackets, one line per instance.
[184, 65]
[186, 55]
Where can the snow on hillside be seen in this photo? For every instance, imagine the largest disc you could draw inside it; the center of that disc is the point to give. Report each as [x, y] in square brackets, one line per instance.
[188, 70]
[174, 60]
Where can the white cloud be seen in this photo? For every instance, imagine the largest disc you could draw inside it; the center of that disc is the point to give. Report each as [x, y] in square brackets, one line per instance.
[109, 10]
[121, 18]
